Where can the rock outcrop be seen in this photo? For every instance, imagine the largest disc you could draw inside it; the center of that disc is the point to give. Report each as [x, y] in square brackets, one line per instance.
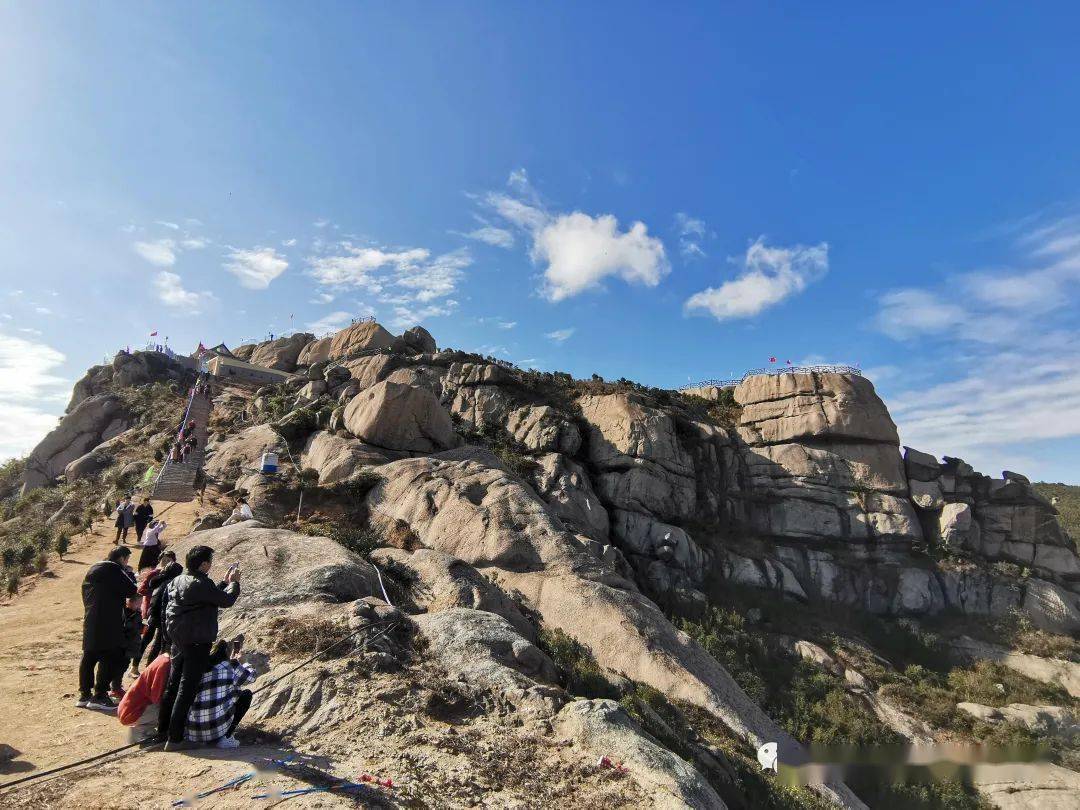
[91, 422]
[363, 336]
[400, 417]
[338, 459]
[281, 354]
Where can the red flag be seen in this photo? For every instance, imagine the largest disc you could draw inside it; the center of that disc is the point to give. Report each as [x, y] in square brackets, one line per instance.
[152, 334]
[772, 359]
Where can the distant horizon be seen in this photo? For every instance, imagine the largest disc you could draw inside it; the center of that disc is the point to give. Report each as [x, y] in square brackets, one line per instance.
[662, 194]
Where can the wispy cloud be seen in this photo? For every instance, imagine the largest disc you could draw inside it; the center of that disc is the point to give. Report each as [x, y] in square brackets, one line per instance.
[257, 267]
[1005, 344]
[288, 242]
[161, 252]
[171, 225]
[561, 335]
[577, 251]
[768, 276]
[170, 291]
[332, 322]
[490, 235]
[691, 232]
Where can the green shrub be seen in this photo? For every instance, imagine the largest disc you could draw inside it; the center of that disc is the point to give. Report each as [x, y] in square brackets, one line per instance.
[582, 676]
[12, 583]
[63, 543]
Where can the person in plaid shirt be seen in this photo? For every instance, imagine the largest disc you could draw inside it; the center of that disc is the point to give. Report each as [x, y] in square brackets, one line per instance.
[221, 702]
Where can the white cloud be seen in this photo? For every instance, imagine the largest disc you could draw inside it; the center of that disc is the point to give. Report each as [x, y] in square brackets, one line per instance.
[331, 323]
[43, 310]
[321, 223]
[506, 324]
[578, 251]
[194, 243]
[912, 312]
[170, 225]
[289, 242]
[691, 231]
[437, 278]
[357, 266]
[27, 380]
[322, 298]
[406, 316]
[490, 235]
[769, 275]
[161, 253]
[561, 335]
[171, 292]
[257, 267]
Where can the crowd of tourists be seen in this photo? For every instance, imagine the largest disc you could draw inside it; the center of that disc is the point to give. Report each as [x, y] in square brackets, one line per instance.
[171, 612]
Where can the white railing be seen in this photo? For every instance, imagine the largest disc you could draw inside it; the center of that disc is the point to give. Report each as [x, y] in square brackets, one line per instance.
[825, 368]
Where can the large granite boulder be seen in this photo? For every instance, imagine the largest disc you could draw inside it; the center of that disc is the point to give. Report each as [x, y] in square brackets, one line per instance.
[338, 459]
[565, 486]
[91, 422]
[400, 417]
[642, 465]
[485, 652]
[242, 452]
[356, 338]
[787, 407]
[419, 340]
[281, 567]
[129, 369]
[281, 354]
[368, 370]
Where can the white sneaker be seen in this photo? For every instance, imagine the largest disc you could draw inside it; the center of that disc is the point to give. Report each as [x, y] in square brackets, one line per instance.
[82, 702]
[228, 742]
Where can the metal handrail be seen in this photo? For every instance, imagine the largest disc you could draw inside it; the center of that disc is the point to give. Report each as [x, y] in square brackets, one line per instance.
[824, 368]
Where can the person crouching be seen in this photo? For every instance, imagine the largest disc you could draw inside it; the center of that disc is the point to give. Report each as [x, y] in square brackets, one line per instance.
[222, 701]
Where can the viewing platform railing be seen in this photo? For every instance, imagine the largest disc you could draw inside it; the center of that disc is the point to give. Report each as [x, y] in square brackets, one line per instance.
[775, 371]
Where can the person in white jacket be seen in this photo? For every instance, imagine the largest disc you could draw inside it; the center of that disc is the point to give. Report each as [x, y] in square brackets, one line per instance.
[151, 544]
[240, 512]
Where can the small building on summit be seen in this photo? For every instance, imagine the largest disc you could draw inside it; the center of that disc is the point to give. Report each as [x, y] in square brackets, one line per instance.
[223, 367]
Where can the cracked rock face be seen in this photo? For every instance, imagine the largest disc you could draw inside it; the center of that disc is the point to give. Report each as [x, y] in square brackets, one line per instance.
[400, 417]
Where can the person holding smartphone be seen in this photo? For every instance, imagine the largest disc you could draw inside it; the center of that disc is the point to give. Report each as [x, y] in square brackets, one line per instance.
[191, 620]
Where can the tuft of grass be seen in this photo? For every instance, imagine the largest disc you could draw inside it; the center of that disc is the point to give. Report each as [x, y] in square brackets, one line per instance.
[582, 676]
[301, 636]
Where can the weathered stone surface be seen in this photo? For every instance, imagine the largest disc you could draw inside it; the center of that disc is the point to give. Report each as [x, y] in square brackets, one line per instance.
[1051, 607]
[310, 392]
[243, 451]
[605, 729]
[430, 377]
[282, 353]
[419, 340]
[956, 527]
[281, 567]
[1022, 786]
[400, 417]
[485, 652]
[367, 371]
[91, 422]
[244, 351]
[641, 534]
[1047, 721]
[355, 338]
[483, 516]
[447, 582]
[126, 370]
[565, 486]
[786, 407]
[339, 458]
[785, 468]
[538, 427]
[927, 495]
[921, 466]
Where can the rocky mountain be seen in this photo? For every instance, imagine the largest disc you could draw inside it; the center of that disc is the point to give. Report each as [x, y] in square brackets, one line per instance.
[543, 533]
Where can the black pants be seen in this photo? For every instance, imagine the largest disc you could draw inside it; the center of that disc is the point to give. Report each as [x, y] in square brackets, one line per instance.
[122, 532]
[243, 703]
[188, 667]
[107, 663]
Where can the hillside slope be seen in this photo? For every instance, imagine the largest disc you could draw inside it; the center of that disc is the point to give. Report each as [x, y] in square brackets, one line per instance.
[661, 578]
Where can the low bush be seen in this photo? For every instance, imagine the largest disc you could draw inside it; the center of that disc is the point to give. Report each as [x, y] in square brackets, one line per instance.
[582, 676]
[301, 636]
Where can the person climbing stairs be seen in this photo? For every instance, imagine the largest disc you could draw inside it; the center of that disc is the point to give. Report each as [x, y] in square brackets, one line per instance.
[176, 482]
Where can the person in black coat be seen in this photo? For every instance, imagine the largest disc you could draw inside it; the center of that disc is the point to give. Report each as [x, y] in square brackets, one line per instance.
[191, 620]
[105, 588]
[155, 615]
[144, 512]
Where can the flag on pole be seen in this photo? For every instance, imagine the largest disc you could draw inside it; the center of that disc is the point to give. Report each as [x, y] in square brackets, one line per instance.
[154, 333]
[788, 362]
[772, 359]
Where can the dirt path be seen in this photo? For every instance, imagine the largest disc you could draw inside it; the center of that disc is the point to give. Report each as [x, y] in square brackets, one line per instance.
[40, 647]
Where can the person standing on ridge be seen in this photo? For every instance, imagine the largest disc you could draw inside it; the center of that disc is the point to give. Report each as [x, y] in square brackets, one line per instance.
[105, 589]
[143, 513]
[191, 620]
[125, 518]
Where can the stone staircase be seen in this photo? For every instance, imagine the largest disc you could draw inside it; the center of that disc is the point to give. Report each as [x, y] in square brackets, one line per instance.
[177, 480]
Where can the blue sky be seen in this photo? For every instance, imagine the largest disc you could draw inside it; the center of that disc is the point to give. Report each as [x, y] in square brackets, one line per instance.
[657, 191]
